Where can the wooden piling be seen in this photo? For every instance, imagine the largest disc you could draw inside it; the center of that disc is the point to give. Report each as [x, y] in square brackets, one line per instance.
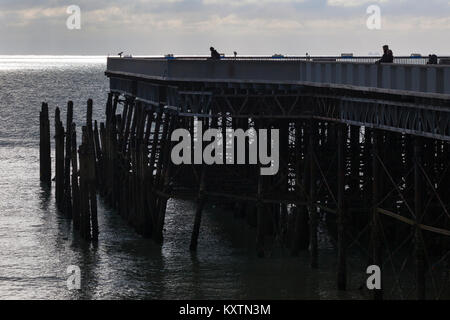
[75, 184]
[59, 160]
[85, 223]
[44, 146]
[198, 213]
[98, 157]
[68, 157]
[92, 190]
[161, 179]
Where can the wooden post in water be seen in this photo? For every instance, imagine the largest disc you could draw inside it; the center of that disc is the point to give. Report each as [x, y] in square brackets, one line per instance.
[59, 162]
[68, 157]
[151, 196]
[164, 181]
[92, 189]
[85, 225]
[75, 185]
[98, 156]
[90, 173]
[418, 208]
[201, 195]
[198, 212]
[44, 146]
[342, 254]
[146, 174]
[157, 232]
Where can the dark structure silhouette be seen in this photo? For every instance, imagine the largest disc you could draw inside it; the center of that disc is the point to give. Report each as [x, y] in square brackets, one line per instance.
[432, 59]
[388, 56]
[214, 54]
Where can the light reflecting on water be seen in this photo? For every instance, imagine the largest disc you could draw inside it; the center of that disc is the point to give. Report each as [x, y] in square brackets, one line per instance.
[37, 243]
[48, 62]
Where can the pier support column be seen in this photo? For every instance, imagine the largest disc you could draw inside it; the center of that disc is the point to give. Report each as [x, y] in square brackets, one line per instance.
[260, 227]
[301, 232]
[198, 213]
[418, 208]
[341, 212]
[312, 194]
[201, 192]
[162, 177]
[376, 187]
[261, 208]
[354, 161]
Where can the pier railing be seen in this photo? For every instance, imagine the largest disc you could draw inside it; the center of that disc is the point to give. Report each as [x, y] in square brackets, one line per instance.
[361, 59]
[407, 78]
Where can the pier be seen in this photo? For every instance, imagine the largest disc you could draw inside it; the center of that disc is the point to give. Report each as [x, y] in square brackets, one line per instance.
[364, 151]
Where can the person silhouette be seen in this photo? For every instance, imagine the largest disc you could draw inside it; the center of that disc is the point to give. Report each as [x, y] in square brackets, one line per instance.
[432, 59]
[214, 54]
[388, 56]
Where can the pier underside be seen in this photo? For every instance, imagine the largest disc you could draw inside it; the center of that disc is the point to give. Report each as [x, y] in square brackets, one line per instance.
[372, 167]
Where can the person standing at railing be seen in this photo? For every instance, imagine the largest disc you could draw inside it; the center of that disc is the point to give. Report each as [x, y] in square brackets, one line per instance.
[388, 56]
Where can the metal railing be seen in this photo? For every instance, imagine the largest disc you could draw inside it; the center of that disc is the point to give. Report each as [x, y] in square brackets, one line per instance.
[419, 60]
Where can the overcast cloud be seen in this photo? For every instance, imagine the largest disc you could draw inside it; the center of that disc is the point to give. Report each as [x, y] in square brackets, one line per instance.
[248, 26]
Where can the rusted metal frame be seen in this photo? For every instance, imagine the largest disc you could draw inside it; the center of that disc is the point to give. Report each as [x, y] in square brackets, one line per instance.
[408, 126]
[430, 183]
[355, 240]
[324, 179]
[243, 105]
[265, 104]
[413, 222]
[252, 198]
[294, 104]
[229, 104]
[445, 283]
[396, 187]
[277, 101]
[388, 194]
[390, 257]
[442, 177]
[395, 103]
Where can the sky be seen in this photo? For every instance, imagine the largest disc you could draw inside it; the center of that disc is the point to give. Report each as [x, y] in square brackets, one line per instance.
[250, 27]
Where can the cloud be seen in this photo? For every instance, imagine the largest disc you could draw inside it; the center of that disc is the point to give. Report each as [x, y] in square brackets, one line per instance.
[353, 3]
[254, 25]
[250, 2]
